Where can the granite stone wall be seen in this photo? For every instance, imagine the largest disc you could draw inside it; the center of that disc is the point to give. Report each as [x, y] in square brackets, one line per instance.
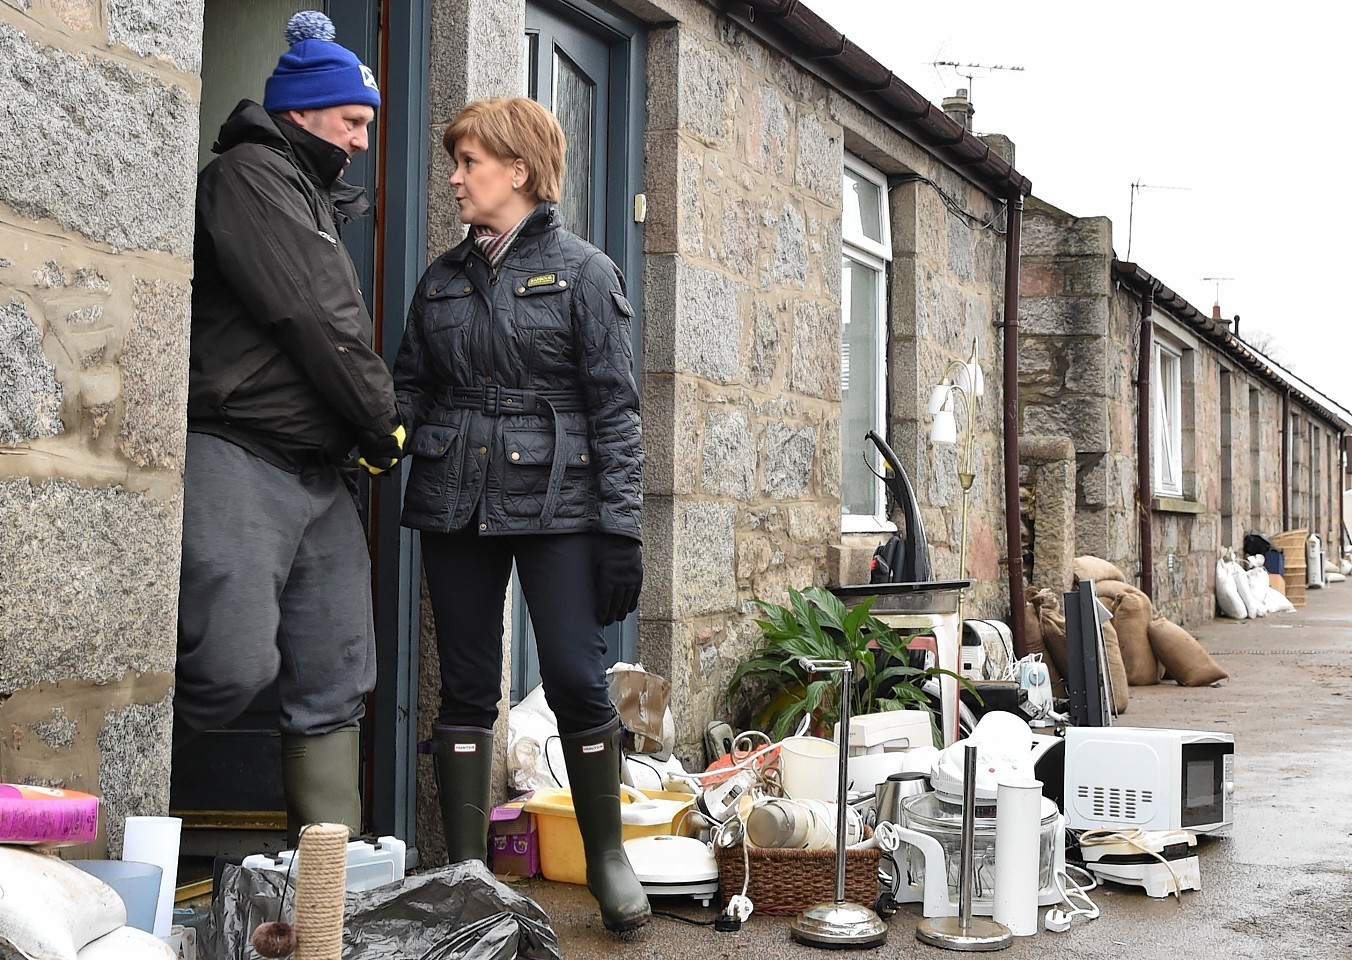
[741, 361]
[1078, 361]
[96, 214]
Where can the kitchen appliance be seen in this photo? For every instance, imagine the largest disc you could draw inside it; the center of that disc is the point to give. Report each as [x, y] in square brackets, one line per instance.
[1150, 779]
[674, 866]
[1161, 861]
[888, 795]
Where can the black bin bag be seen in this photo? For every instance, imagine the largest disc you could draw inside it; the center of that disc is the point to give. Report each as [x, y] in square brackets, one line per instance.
[458, 912]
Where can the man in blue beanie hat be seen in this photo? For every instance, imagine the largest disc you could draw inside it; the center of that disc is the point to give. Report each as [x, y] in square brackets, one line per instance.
[283, 384]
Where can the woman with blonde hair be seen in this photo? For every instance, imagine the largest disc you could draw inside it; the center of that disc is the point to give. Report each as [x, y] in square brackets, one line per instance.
[514, 382]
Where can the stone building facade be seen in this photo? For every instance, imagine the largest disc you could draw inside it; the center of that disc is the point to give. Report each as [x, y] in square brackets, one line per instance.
[740, 143]
[1259, 448]
[96, 210]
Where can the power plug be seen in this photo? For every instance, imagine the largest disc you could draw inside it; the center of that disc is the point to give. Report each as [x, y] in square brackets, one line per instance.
[1056, 921]
[727, 923]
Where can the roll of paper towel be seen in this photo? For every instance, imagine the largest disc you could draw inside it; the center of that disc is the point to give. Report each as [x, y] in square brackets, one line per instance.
[1018, 820]
[155, 840]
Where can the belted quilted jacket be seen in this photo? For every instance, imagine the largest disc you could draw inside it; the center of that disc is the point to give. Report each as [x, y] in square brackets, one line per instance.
[517, 392]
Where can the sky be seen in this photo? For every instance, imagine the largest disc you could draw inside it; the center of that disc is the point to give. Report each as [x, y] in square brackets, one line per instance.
[1233, 118]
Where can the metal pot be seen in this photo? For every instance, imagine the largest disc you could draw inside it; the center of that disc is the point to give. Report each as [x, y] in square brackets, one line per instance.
[889, 794]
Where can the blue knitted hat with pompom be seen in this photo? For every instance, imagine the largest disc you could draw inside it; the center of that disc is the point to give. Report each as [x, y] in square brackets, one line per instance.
[317, 71]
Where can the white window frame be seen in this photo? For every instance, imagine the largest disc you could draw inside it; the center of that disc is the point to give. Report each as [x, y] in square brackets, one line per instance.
[872, 255]
[1166, 439]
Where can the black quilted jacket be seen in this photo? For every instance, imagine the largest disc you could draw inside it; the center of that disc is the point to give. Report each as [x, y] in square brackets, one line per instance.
[517, 392]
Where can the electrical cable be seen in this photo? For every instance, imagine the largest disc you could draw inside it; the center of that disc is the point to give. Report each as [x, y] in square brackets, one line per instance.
[1134, 838]
[690, 920]
[970, 220]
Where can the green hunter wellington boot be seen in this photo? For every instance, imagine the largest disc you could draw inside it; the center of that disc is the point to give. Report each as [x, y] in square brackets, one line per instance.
[464, 768]
[319, 778]
[593, 758]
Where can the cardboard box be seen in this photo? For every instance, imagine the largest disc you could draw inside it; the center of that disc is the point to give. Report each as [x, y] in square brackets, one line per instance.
[513, 841]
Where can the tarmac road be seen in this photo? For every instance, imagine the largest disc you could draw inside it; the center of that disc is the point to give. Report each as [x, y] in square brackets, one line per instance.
[1278, 887]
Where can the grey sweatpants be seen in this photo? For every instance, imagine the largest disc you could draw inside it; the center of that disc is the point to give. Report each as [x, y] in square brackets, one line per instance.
[275, 584]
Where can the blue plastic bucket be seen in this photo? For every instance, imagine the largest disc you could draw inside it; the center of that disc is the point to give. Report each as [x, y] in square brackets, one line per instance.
[138, 884]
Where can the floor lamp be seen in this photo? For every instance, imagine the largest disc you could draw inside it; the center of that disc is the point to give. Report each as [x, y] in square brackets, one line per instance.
[963, 380]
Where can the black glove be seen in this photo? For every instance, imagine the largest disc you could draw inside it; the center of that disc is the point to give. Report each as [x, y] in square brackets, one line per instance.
[617, 562]
[380, 453]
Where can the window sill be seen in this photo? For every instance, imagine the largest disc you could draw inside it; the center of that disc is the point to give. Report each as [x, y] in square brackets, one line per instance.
[858, 523]
[1176, 505]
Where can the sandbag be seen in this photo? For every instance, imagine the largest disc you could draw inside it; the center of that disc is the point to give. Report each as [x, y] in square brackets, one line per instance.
[1277, 602]
[1182, 655]
[1092, 568]
[1132, 612]
[1053, 633]
[1032, 635]
[1117, 671]
[1227, 595]
[1258, 587]
[50, 909]
[1241, 581]
[1110, 590]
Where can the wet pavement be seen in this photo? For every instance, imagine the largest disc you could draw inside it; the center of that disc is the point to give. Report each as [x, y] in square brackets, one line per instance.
[1279, 886]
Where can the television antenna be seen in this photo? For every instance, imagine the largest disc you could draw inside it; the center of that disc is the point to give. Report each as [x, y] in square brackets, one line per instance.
[1137, 187]
[1217, 281]
[960, 67]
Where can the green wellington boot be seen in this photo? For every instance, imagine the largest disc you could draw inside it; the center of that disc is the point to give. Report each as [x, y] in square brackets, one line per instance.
[464, 767]
[319, 778]
[594, 758]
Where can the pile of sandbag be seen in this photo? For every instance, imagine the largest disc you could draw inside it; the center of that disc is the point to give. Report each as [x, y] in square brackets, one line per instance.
[1244, 590]
[1141, 646]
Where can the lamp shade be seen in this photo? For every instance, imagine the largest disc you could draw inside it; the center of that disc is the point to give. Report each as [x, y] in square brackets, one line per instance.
[944, 429]
[938, 396]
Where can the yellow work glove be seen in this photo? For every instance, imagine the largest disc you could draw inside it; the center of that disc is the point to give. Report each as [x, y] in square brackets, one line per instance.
[381, 453]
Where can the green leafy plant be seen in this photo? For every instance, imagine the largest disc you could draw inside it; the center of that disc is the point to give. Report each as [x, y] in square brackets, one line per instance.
[816, 624]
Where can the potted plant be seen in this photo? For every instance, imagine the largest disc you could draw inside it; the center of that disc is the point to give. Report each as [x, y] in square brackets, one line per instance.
[816, 624]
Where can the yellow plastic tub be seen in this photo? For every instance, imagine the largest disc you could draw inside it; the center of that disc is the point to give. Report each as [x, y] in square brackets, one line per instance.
[561, 855]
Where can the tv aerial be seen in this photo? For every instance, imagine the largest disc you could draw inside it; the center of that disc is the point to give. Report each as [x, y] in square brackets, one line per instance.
[1136, 188]
[1217, 281]
[960, 67]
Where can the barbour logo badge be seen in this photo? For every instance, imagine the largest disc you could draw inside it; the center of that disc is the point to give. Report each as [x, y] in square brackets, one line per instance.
[541, 280]
[466, 748]
[593, 747]
[331, 239]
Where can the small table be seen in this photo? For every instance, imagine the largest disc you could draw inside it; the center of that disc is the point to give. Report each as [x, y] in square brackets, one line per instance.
[922, 606]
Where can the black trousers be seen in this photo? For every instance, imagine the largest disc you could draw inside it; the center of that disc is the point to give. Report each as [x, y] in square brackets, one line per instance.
[467, 577]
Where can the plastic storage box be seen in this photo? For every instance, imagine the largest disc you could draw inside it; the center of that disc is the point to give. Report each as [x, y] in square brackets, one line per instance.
[561, 855]
[370, 863]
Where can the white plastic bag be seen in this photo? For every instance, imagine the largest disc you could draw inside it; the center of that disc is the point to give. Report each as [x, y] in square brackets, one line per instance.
[49, 909]
[1241, 579]
[127, 943]
[1277, 602]
[1227, 596]
[1258, 586]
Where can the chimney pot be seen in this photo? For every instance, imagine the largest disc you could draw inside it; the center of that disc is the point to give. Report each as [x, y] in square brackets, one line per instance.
[1215, 311]
[959, 109]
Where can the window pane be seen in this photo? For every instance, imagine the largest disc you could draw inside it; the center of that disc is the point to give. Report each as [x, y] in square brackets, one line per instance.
[859, 385]
[863, 201]
[573, 100]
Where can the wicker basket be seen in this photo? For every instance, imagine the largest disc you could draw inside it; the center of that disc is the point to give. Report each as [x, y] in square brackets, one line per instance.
[786, 882]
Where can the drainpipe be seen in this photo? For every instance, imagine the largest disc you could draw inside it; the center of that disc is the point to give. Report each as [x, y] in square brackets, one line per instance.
[1014, 542]
[1286, 459]
[1144, 475]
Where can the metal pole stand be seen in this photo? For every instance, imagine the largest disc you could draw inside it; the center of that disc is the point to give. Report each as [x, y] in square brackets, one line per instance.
[965, 932]
[840, 924]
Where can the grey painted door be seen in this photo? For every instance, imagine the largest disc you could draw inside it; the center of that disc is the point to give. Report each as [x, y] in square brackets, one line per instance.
[583, 62]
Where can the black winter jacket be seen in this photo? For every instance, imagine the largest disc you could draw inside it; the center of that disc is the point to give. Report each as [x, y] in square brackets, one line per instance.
[517, 392]
[281, 360]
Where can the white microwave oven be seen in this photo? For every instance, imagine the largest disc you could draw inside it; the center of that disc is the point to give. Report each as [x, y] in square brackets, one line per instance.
[1150, 779]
